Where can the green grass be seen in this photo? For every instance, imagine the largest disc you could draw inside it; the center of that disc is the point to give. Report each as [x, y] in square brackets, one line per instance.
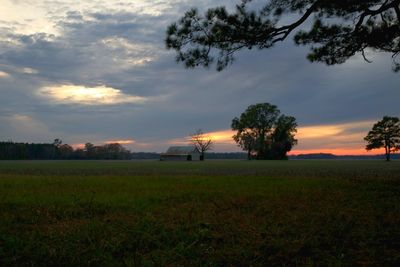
[213, 213]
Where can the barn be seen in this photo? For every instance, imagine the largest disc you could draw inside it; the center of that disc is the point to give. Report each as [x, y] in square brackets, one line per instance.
[181, 153]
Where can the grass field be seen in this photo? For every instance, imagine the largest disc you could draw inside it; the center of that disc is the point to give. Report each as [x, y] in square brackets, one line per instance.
[213, 213]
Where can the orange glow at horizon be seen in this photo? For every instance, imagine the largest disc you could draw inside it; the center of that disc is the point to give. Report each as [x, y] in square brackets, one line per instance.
[78, 146]
[336, 151]
[121, 142]
[338, 139]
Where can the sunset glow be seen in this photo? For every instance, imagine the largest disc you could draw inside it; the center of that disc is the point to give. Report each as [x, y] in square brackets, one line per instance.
[29, 71]
[26, 12]
[134, 54]
[33, 16]
[101, 95]
[336, 151]
[121, 142]
[338, 139]
[100, 72]
[4, 74]
[78, 146]
[222, 136]
[339, 131]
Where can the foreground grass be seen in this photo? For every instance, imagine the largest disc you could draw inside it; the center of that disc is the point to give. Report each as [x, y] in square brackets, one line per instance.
[215, 213]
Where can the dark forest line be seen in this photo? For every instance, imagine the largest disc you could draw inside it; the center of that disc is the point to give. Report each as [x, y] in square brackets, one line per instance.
[115, 151]
[56, 150]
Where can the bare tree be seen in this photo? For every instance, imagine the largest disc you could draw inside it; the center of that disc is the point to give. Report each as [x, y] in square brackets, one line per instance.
[202, 142]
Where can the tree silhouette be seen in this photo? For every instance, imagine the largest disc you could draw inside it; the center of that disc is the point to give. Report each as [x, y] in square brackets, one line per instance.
[385, 134]
[261, 130]
[247, 140]
[57, 150]
[340, 29]
[57, 142]
[65, 151]
[202, 142]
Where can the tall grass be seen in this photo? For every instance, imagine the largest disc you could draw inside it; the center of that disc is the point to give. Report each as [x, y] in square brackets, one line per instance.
[215, 213]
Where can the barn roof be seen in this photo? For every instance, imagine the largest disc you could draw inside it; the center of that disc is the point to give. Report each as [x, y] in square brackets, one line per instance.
[179, 150]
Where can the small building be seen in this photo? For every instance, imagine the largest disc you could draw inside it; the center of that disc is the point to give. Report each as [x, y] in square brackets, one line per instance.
[181, 153]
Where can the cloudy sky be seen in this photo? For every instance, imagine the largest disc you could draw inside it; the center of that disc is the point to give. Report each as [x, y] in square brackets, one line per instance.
[98, 71]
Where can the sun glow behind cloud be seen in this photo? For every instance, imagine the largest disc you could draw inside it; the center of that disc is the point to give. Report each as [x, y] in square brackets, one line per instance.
[23, 123]
[222, 137]
[121, 142]
[4, 74]
[129, 54]
[78, 94]
[29, 71]
[29, 17]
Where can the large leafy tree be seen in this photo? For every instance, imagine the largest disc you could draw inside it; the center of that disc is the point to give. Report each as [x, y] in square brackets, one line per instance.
[247, 140]
[385, 134]
[339, 30]
[264, 133]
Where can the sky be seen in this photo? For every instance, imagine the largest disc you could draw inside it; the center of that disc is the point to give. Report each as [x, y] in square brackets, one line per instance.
[98, 71]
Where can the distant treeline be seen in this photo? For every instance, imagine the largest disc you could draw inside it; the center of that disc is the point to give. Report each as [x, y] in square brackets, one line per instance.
[21, 151]
[10, 150]
[212, 155]
[56, 150]
[229, 155]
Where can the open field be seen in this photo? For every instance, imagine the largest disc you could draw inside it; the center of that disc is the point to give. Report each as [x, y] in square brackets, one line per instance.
[213, 213]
